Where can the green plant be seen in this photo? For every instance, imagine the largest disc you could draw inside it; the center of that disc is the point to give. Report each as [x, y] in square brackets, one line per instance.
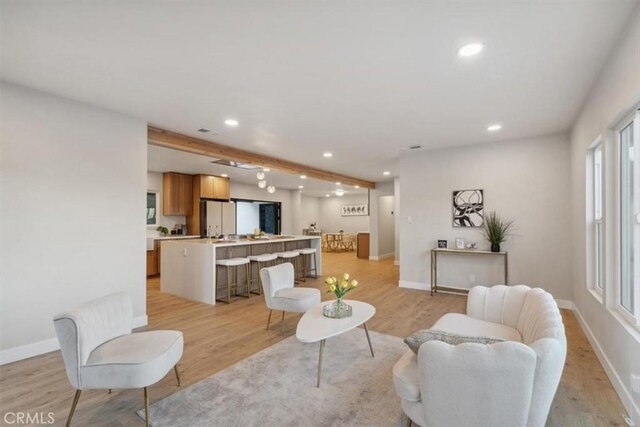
[495, 228]
[163, 230]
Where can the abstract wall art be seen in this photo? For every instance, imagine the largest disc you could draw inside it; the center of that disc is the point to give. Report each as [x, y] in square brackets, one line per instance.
[468, 208]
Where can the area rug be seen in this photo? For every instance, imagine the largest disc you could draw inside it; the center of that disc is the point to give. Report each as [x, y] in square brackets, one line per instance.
[277, 387]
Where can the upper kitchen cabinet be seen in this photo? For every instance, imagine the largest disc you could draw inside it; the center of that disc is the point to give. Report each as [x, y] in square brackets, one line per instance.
[177, 194]
[211, 187]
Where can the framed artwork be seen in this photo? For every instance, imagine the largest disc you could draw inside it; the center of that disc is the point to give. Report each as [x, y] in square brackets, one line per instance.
[355, 210]
[468, 208]
[442, 244]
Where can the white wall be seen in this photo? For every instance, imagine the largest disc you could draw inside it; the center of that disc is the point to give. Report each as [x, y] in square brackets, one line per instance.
[247, 217]
[154, 183]
[526, 180]
[73, 191]
[615, 93]
[397, 216]
[252, 192]
[331, 219]
[309, 212]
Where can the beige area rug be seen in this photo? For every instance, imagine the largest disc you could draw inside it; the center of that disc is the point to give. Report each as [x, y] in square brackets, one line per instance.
[277, 387]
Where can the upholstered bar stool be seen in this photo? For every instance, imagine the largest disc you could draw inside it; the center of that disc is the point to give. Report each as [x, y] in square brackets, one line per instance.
[293, 257]
[260, 261]
[308, 255]
[229, 264]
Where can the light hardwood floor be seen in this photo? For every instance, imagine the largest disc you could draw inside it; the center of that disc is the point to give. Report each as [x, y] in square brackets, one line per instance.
[219, 336]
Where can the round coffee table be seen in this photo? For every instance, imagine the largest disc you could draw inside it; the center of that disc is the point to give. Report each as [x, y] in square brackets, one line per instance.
[314, 326]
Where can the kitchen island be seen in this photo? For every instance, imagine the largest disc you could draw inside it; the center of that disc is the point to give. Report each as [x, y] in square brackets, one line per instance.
[189, 266]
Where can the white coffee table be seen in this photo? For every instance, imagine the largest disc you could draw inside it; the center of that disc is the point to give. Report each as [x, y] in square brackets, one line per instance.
[314, 326]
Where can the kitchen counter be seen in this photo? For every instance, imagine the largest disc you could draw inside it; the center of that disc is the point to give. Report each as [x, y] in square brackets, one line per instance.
[189, 265]
[175, 236]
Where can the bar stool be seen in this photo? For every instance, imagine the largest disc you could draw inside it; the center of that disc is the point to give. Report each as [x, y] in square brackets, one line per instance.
[233, 263]
[292, 257]
[308, 254]
[267, 260]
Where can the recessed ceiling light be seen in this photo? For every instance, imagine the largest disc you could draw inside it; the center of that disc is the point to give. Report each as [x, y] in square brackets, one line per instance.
[338, 183]
[340, 192]
[327, 154]
[224, 175]
[204, 130]
[494, 128]
[301, 186]
[357, 186]
[266, 169]
[470, 49]
[303, 176]
[386, 173]
[327, 195]
[231, 122]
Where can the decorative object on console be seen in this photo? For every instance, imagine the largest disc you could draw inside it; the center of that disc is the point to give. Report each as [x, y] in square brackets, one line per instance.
[339, 309]
[163, 230]
[460, 243]
[496, 230]
[472, 245]
[355, 210]
[442, 244]
[468, 208]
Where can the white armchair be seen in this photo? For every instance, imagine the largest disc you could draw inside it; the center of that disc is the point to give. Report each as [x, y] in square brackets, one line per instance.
[510, 383]
[100, 352]
[280, 294]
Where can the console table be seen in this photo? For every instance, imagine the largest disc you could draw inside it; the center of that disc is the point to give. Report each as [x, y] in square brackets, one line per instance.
[434, 267]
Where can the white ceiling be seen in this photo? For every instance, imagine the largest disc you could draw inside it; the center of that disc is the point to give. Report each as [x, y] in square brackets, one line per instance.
[161, 159]
[361, 79]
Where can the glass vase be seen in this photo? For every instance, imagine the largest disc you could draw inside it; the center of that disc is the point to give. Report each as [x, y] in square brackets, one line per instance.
[337, 309]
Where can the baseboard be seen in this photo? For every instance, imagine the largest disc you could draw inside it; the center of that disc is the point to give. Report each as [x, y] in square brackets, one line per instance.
[46, 346]
[566, 304]
[414, 285]
[383, 256]
[618, 384]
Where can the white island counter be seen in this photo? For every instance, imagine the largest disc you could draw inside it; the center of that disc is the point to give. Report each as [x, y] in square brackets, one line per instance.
[188, 266]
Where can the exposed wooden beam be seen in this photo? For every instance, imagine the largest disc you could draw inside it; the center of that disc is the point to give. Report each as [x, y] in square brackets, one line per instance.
[176, 141]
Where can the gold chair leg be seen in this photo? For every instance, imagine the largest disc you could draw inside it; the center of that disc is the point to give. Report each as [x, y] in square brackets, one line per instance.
[282, 314]
[175, 368]
[269, 319]
[247, 280]
[109, 391]
[228, 286]
[73, 406]
[146, 406]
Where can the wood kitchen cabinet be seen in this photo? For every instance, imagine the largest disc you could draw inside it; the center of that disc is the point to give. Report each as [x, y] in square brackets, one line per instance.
[152, 263]
[211, 187]
[177, 194]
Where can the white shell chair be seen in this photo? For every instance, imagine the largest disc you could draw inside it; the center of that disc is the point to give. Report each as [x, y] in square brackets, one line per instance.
[100, 352]
[279, 293]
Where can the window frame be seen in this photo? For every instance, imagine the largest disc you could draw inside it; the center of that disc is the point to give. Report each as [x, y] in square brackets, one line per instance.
[631, 318]
[596, 223]
[157, 194]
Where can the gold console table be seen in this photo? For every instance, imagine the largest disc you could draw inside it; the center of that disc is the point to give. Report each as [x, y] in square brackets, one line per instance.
[434, 267]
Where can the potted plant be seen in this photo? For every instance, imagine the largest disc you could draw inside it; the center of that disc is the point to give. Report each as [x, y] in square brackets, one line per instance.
[496, 230]
[163, 230]
[339, 288]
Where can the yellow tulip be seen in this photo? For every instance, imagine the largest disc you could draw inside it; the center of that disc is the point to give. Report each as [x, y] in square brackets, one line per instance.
[332, 288]
[354, 283]
[345, 276]
[344, 284]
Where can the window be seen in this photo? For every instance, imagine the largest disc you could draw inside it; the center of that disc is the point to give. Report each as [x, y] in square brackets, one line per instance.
[629, 216]
[152, 208]
[598, 209]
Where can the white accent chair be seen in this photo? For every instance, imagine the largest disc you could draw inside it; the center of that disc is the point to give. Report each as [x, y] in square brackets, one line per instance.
[279, 293]
[100, 352]
[510, 383]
